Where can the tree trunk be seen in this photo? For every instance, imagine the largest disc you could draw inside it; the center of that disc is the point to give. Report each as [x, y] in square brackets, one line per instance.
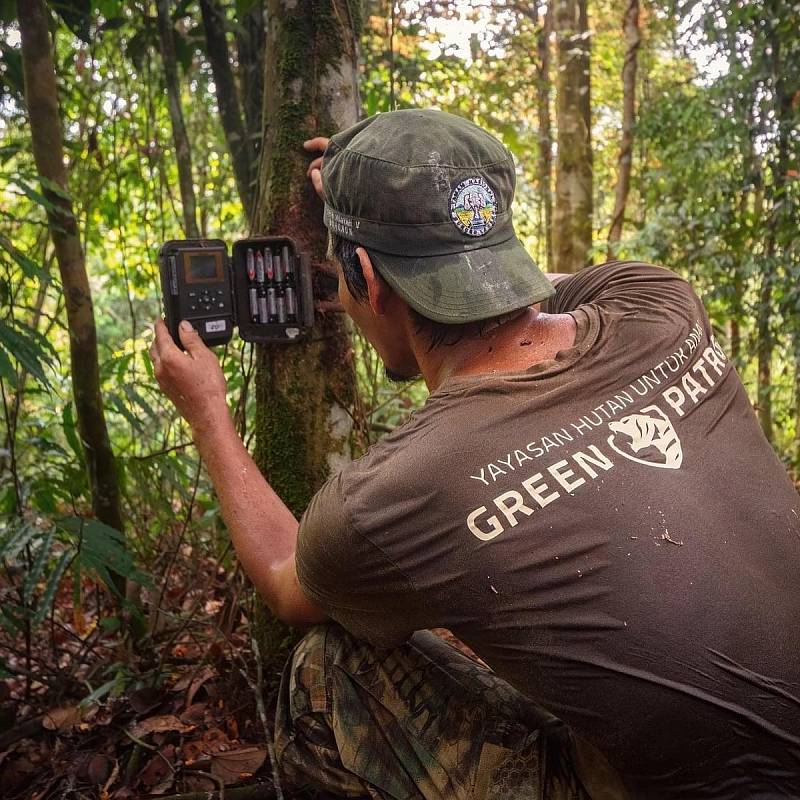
[183, 153]
[250, 45]
[633, 38]
[230, 111]
[780, 225]
[48, 151]
[764, 352]
[572, 225]
[304, 391]
[545, 132]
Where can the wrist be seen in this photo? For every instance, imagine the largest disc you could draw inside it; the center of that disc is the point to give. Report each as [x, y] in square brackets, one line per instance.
[211, 420]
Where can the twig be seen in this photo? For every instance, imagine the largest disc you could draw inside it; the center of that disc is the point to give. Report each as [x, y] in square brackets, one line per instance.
[138, 741]
[176, 549]
[163, 452]
[262, 713]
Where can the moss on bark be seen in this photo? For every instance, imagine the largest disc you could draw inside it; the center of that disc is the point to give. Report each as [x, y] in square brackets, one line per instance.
[310, 90]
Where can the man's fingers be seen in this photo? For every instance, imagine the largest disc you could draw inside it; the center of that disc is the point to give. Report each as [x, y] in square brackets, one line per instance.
[191, 339]
[315, 164]
[163, 342]
[316, 180]
[316, 144]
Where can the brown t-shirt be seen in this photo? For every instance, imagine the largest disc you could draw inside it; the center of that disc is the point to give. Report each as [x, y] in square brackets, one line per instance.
[610, 531]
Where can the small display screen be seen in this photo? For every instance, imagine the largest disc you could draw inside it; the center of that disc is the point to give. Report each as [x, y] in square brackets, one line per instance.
[202, 268]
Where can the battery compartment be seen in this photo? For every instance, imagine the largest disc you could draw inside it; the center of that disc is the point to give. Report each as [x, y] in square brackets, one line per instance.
[296, 280]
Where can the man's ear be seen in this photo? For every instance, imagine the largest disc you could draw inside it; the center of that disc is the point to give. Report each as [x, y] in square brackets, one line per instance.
[379, 291]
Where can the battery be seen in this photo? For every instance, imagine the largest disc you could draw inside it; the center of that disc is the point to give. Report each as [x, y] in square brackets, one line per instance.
[291, 304]
[281, 309]
[262, 310]
[269, 265]
[251, 265]
[272, 304]
[288, 267]
[253, 292]
[278, 267]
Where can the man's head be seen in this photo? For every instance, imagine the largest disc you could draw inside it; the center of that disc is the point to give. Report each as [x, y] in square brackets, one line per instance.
[428, 196]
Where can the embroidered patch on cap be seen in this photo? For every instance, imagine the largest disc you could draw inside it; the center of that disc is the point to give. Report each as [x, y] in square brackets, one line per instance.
[473, 207]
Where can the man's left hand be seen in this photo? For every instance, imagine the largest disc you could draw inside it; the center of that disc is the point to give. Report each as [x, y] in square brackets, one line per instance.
[192, 380]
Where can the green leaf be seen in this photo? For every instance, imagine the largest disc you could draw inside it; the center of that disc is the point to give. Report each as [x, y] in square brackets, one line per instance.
[243, 7]
[70, 431]
[102, 551]
[108, 8]
[37, 568]
[8, 151]
[37, 197]
[30, 349]
[49, 593]
[77, 15]
[18, 535]
[101, 691]
[7, 371]
[11, 73]
[29, 267]
[55, 188]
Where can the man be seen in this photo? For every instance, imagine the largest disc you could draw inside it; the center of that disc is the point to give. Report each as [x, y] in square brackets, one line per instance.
[586, 500]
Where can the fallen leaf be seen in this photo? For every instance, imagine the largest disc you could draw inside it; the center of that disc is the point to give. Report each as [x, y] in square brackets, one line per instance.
[61, 719]
[99, 768]
[215, 740]
[204, 675]
[158, 772]
[145, 699]
[160, 724]
[194, 715]
[236, 765]
[193, 751]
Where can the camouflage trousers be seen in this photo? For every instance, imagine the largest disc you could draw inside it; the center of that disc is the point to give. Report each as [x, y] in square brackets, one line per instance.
[418, 721]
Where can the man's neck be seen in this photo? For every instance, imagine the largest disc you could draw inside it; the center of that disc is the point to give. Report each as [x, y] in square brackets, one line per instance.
[513, 346]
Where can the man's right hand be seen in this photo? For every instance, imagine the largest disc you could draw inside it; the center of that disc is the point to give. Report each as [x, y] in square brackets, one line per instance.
[193, 379]
[316, 145]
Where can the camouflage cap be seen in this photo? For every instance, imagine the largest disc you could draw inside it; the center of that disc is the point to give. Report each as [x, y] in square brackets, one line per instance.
[429, 195]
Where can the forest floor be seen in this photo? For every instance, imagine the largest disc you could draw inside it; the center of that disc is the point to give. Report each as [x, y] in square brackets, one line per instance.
[90, 715]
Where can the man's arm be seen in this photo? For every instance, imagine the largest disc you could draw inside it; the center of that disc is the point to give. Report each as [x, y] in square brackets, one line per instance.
[263, 530]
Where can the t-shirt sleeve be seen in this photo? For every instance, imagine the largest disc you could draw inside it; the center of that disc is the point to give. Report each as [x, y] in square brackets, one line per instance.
[349, 577]
[623, 288]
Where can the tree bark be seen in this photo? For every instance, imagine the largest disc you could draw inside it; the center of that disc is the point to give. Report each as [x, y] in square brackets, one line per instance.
[230, 112]
[250, 45]
[572, 224]
[183, 152]
[764, 353]
[780, 224]
[41, 98]
[545, 132]
[304, 391]
[633, 38]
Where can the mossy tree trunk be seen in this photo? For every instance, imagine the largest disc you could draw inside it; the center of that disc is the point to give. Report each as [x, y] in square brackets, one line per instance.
[41, 97]
[572, 223]
[304, 391]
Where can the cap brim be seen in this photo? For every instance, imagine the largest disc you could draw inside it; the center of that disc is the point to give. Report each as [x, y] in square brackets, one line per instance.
[469, 285]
